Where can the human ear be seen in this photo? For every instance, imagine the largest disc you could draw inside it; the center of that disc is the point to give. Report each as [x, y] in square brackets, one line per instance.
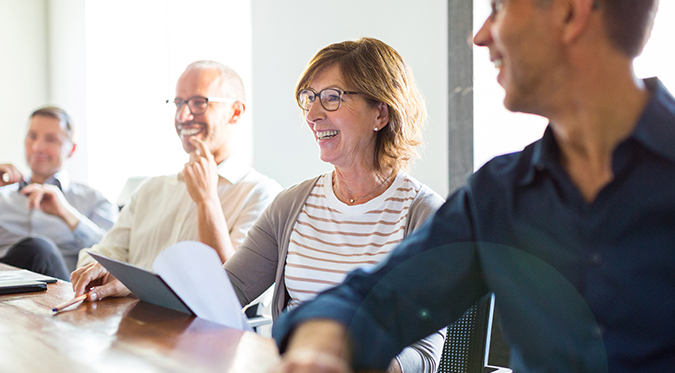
[382, 118]
[576, 16]
[72, 150]
[238, 109]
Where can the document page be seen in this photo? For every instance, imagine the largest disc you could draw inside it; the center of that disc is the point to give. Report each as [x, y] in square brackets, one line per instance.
[194, 272]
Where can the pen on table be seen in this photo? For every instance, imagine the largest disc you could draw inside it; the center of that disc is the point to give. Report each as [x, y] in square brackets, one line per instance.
[70, 302]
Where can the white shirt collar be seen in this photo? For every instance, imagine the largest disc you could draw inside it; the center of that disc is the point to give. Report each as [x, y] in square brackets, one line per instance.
[233, 169]
[61, 179]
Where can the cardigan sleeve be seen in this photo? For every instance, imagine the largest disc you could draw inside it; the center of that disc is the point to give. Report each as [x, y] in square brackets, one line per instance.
[425, 354]
[253, 266]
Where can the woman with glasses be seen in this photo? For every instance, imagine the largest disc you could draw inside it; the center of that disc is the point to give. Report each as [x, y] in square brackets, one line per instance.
[361, 103]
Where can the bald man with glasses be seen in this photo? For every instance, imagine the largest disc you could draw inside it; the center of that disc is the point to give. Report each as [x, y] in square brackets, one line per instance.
[215, 199]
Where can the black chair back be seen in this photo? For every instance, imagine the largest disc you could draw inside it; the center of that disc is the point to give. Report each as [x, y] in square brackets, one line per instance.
[467, 344]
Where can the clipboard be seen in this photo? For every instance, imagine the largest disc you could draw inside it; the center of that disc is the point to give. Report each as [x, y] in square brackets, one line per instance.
[188, 277]
[145, 285]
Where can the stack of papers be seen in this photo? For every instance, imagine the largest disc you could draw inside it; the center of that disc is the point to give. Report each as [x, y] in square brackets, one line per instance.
[23, 281]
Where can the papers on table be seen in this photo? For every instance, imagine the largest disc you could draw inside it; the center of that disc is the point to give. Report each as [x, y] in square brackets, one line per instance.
[23, 275]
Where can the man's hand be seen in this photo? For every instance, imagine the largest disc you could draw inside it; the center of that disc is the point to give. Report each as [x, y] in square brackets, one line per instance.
[201, 179]
[316, 346]
[96, 280]
[9, 174]
[49, 199]
[200, 174]
[311, 361]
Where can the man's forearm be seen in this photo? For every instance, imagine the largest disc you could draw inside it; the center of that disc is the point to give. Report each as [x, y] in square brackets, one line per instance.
[213, 229]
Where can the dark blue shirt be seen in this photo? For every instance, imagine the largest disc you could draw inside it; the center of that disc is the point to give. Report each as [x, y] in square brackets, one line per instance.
[581, 287]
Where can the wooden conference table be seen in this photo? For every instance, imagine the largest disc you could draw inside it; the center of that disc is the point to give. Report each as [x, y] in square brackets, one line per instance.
[119, 335]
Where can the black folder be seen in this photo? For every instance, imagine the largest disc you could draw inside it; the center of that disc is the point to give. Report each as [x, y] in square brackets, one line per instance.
[145, 285]
[21, 286]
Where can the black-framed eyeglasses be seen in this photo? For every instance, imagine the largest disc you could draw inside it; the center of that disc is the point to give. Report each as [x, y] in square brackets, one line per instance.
[197, 104]
[330, 98]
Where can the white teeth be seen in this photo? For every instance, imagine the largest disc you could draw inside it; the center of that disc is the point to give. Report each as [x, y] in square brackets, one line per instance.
[498, 63]
[324, 135]
[190, 131]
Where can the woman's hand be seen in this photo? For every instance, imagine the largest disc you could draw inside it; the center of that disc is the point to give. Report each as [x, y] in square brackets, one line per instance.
[96, 280]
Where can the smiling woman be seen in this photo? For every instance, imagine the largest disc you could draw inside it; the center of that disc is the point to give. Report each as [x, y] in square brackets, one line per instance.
[361, 103]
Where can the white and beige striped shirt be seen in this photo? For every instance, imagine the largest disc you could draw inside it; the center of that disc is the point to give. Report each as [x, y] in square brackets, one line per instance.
[330, 238]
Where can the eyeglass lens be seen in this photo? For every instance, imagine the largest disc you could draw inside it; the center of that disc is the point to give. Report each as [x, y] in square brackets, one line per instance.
[329, 97]
[197, 105]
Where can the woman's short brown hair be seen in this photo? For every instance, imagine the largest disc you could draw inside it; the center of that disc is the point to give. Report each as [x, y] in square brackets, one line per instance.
[380, 74]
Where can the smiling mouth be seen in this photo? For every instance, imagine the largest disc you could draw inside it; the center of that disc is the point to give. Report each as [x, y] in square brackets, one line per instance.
[188, 132]
[325, 135]
[498, 63]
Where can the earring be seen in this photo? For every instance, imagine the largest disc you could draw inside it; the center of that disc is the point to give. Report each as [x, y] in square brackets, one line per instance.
[376, 129]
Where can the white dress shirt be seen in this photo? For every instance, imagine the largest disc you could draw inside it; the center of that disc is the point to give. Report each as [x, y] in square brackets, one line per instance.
[161, 213]
[17, 222]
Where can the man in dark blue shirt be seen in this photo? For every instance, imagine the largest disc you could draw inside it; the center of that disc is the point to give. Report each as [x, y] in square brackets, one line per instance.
[575, 235]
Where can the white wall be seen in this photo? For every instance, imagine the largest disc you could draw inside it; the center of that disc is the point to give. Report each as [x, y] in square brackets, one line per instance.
[66, 75]
[286, 34]
[496, 130]
[135, 52]
[113, 65]
[23, 73]
[656, 59]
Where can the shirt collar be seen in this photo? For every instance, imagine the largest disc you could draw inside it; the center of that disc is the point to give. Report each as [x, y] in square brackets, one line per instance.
[654, 130]
[233, 169]
[61, 179]
[544, 153]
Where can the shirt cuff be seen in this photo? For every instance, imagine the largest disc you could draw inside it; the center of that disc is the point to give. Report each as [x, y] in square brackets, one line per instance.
[86, 232]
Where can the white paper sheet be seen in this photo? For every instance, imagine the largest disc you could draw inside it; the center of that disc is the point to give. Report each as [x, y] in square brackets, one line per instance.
[194, 272]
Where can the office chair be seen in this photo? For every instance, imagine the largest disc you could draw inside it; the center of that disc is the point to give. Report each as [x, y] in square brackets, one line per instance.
[467, 344]
[129, 187]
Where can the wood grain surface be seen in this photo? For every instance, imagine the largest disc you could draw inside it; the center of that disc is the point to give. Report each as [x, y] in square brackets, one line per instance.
[119, 335]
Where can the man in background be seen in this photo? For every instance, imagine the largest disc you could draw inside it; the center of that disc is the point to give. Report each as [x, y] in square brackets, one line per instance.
[45, 219]
[575, 235]
[215, 199]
